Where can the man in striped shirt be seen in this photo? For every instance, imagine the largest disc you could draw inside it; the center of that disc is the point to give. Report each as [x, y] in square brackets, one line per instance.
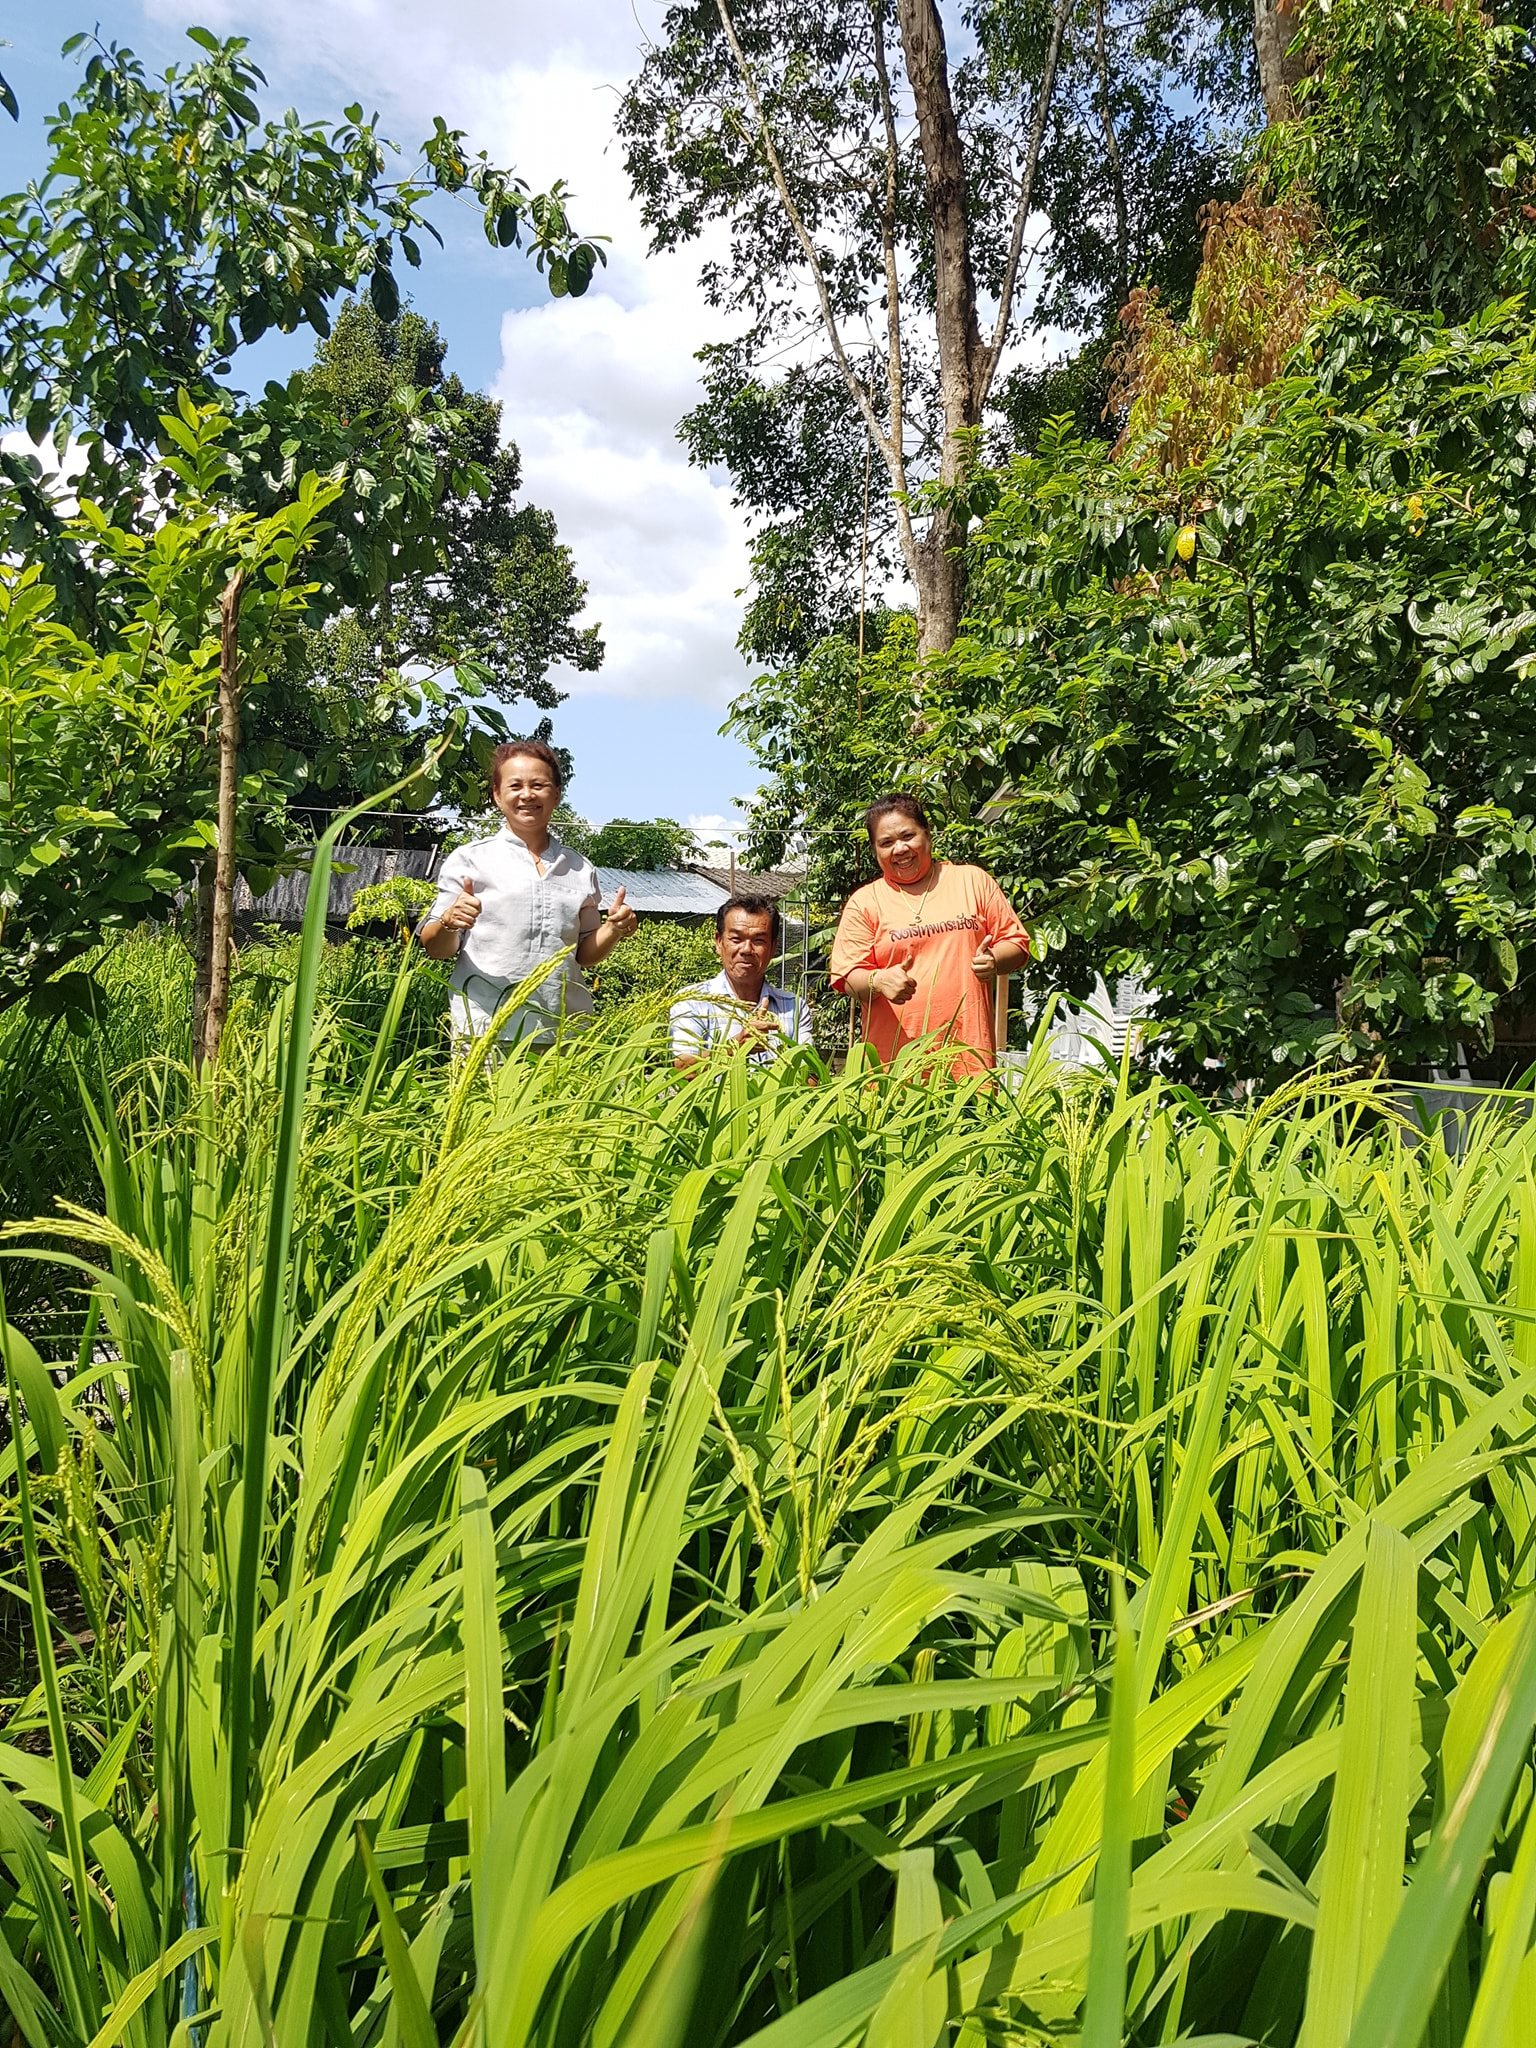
[740, 1009]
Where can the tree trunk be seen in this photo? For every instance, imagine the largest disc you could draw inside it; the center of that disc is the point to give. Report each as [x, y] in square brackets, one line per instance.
[201, 938]
[939, 573]
[221, 922]
[1274, 29]
[1112, 158]
[939, 569]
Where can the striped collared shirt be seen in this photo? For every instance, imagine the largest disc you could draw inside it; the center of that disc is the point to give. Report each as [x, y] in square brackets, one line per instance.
[706, 1015]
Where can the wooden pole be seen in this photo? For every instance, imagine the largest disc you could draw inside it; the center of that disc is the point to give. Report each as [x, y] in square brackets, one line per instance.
[1000, 1013]
[223, 919]
[863, 573]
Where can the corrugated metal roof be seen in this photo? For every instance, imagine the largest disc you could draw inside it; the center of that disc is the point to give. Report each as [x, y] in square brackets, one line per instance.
[355, 867]
[775, 882]
[664, 892]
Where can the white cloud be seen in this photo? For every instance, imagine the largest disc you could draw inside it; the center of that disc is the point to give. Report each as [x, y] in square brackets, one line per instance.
[593, 389]
[591, 392]
[711, 825]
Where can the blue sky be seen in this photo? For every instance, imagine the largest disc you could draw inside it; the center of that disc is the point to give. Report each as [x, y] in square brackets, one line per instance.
[591, 389]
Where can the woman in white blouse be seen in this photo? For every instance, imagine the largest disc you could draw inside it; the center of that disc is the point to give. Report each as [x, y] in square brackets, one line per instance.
[507, 905]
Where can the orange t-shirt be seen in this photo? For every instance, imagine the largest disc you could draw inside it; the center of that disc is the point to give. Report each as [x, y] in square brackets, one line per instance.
[940, 927]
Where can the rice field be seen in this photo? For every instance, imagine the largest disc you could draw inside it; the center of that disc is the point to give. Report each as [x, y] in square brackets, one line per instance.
[572, 1554]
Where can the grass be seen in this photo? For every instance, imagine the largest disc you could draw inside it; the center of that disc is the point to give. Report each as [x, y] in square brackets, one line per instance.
[131, 1040]
[575, 1554]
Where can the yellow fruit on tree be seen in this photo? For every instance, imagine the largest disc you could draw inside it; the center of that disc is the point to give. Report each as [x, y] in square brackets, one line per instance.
[1184, 546]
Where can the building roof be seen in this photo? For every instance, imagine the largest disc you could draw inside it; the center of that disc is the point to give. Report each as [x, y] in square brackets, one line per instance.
[660, 892]
[775, 882]
[663, 892]
[354, 868]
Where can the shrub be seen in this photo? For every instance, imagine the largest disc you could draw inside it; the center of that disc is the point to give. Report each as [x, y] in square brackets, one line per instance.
[1293, 774]
[398, 901]
[658, 961]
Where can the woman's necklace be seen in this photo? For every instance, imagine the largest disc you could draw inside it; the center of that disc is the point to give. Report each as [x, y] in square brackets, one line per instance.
[932, 882]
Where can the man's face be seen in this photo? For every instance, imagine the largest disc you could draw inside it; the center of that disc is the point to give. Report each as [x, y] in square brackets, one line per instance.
[746, 948]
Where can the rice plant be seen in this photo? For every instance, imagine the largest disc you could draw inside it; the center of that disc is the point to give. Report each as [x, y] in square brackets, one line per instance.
[568, 1553]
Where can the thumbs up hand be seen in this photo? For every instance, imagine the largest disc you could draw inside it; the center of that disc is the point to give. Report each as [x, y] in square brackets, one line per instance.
[896, 983]
[758, 1025]
[464, 909]
[984, 966]
[621, 918]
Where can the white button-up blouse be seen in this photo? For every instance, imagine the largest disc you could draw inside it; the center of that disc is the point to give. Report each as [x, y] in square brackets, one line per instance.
[525, 919]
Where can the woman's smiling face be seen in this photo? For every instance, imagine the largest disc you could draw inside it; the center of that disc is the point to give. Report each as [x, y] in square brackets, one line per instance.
[902, 847]
[526, 795]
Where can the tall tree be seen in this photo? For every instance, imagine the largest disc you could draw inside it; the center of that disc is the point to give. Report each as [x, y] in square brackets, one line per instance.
[1278, 750]
[109, 760]
[1280, 58]
[484, 592]
[898, 217]
[1249, 696]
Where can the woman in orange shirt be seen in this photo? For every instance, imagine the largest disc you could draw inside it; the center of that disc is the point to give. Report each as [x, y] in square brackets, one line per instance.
[921, 948]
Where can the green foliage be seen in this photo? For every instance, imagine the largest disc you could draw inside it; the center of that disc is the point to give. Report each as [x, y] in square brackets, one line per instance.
[829, 735]
[175, 226]
[1137, 135]
[400, 900]
[956, 1555]
[655, 963]
[1296, 776]
[798, 454]
[1417, 144]
[1075, 386]
[464, 598]
[105, 765]
[134, 1025]
[105, 777]
[645, 844]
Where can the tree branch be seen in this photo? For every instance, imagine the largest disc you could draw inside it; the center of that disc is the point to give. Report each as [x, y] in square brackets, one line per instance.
[1112, 154]
[896, 376]
[1026, 199]
[850, 376]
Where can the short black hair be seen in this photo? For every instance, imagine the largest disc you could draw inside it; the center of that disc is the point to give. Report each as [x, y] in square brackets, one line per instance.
[898, 806]
[755, 906]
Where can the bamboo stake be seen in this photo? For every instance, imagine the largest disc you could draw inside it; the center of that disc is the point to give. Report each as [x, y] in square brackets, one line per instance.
[223, 920]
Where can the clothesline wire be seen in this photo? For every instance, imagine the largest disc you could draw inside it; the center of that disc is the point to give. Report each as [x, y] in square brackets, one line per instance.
[718, 831]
